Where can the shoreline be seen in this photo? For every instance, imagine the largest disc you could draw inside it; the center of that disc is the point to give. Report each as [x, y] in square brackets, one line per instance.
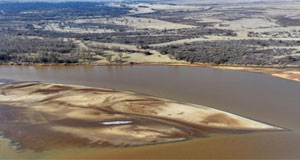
[179, 63]
[284, 72]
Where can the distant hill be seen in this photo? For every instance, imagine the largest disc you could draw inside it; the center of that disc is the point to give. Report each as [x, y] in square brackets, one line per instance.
[60, 0]
[163, 1]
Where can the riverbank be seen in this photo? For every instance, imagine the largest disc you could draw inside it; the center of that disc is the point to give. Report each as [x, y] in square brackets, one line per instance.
[285, 72]
[43, 116]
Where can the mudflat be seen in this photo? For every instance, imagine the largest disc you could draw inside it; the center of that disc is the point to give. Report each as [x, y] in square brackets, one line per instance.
[43, 116]
[290, 74]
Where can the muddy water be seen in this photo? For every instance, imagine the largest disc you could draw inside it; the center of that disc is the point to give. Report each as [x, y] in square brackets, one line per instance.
[256, 96]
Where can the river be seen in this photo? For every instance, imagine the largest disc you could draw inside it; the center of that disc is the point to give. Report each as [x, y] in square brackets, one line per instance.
[256, 96]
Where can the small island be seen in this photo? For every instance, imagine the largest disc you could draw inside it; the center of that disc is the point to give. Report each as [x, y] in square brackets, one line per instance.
[42, 116]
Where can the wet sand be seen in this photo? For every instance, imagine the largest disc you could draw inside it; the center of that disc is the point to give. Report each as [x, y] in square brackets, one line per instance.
[244, 146]
[41, 116]
[289, 74]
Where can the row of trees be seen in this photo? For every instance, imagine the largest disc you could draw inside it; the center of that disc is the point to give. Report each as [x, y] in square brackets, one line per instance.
[36, 50]
[232, 52]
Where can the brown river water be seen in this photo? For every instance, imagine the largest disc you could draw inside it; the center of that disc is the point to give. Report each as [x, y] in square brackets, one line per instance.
[256, 96]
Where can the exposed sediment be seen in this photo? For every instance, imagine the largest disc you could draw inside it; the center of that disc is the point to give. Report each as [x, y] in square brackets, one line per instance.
[289, 74]
[42, 116]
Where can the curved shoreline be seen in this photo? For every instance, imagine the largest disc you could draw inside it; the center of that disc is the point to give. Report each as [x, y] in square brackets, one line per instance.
[55, 115]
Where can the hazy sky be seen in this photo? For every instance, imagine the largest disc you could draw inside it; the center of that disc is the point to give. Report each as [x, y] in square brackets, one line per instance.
[168, 1]
[212, 1]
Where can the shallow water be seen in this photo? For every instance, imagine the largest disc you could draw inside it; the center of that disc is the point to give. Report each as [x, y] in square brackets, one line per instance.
[253, 95]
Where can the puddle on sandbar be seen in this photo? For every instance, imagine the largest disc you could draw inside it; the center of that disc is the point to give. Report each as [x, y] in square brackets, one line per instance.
[116, 122]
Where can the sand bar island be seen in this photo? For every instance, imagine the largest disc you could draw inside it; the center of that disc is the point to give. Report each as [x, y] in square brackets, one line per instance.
[43, 116]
